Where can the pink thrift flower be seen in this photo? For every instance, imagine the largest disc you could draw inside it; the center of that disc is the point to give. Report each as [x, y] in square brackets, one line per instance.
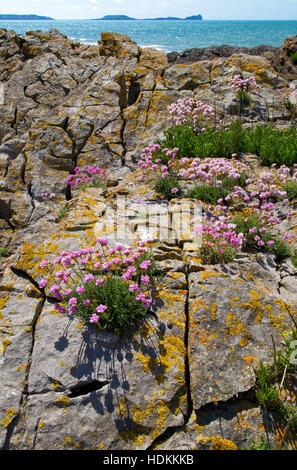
[140, 296]
[60, 308]
[99, 281]
[132, 270]
[43, 264]
[43, 283]
[146, 302]
[101, 308]
[145, 264]
[59, 274]
[145, 280]
[94, 318]
[89, 278]
[126, 276]
[80, 290]
[102, 241]
[133, 287]
[174, 190]
[87, 302]
[107, 265]
[54, 289]
[72, 302]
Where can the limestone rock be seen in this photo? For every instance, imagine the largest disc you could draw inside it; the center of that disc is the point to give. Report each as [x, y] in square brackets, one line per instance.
[184, 378]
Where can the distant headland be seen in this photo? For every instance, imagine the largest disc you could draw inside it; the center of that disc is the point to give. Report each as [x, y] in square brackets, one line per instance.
[24, 17]
[125, 17]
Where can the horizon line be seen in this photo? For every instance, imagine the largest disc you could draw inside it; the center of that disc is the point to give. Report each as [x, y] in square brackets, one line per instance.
[140, 19]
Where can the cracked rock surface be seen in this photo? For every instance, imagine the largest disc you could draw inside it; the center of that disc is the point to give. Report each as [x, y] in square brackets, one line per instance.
[183, 379]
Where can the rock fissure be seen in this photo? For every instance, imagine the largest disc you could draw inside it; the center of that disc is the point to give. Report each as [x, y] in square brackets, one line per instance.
[86, 387]
[23, 274]
[209, 412]
[25, 392]
[187, 364]
[170, 431]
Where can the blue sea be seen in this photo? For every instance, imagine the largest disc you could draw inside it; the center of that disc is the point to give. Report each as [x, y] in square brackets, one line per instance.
[168, 36]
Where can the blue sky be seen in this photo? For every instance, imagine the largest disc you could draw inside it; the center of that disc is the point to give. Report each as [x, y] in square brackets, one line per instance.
[210, 9]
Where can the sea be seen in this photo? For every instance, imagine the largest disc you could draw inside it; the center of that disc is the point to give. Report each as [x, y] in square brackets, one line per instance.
[168, 35]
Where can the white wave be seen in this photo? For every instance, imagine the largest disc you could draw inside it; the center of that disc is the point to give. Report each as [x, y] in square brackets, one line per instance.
[158, 47]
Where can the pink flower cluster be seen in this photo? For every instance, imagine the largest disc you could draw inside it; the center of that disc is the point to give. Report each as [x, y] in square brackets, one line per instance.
[219, 233]
[243, 84]
[67, 281]
[190, 111]
[149, 160]
[48, 195]
[212, 170]
[269, 191]
[89, 174]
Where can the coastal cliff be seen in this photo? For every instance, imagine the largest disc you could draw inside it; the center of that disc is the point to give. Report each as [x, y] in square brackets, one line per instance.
[184, 379]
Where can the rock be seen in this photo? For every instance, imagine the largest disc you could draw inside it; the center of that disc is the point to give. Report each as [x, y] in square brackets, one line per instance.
[117, 45]
[184, 378]
[214, 52]
[281, 60]
[116, 412]
[230, 329]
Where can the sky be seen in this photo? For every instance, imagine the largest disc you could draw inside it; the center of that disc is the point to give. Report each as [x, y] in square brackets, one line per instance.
[209, 9]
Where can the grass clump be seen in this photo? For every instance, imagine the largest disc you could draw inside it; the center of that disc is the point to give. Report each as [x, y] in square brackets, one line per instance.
[291, 189]
[266, 392]
[293, 58]
[273, 384]
[207, 193]
[294, 259]
[63, 212]
[123, 309]
[271, 145]
[168, 187]
[213, 193]
[3, 252]
[257, 237]
[244, 97]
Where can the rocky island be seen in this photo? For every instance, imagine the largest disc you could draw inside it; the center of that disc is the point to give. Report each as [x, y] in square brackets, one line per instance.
[169, 18]
[188, 376]
[24, 17]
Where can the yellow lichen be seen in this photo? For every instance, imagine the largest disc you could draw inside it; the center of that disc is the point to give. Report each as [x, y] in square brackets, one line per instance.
[64, 401]
[3, 346]
[222, 444]
[9, 415]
